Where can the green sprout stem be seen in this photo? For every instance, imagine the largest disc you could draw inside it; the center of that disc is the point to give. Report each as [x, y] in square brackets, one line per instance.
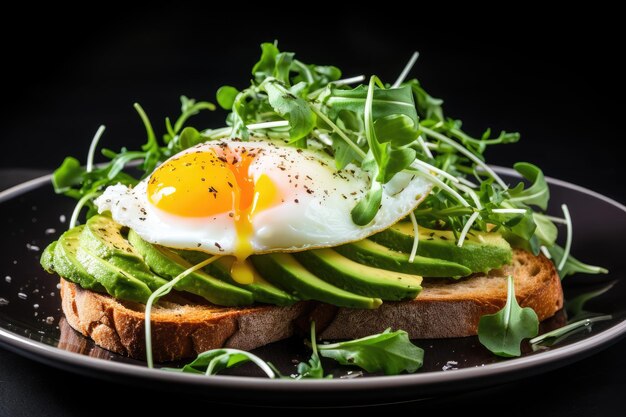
[160, 292]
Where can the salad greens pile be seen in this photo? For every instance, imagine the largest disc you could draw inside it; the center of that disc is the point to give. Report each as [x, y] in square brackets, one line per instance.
[386, 129]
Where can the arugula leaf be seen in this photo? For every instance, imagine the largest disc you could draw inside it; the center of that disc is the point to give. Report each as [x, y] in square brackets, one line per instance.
[400, 129]
[538, 193]
[503, 331]
[283, 66]
[389, 352]
[573, 265]
[389, 159]
[264, 68]
[344, 154]
[293, 108]
[575, 306]
[69, 174]
[546, 230]
[428, 106]
[523, 225]
[385, 102]
[365, 210]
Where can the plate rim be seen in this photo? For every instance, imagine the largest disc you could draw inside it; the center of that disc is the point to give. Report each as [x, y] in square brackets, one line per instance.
[531, 364]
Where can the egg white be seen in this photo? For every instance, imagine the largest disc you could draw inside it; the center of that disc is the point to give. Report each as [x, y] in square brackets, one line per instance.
[314, 213]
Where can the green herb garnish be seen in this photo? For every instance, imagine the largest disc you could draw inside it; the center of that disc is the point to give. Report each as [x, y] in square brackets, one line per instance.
[383, 128]
[576, 306]
[555, 336]
[389, 352]
[503, 331]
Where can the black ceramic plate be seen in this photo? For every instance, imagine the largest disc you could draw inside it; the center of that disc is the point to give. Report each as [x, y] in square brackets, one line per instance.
[31, 323]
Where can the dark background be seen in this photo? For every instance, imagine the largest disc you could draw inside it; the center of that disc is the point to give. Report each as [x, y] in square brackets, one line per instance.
[555, 79]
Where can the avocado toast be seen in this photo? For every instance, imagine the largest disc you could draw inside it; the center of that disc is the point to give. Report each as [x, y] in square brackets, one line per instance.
[357, 208]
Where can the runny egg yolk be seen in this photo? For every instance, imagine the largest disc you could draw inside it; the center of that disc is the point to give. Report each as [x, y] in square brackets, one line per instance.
[217, 181]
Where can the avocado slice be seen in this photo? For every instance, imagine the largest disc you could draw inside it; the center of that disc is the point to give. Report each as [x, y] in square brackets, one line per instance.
[167, 263]
[358, 278]
[60, 257]
[117, 282]
[481, 251]
[373, 254]
[47, 258]
[102, 237]
[262, 290]
[283, 269]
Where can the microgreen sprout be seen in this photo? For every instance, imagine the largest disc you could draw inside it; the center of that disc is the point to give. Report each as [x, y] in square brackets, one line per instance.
[160, 292]
[467, 227]
[416, 238]
[568, 242]
[93, 146]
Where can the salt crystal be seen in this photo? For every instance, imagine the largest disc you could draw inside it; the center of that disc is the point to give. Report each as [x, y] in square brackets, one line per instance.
[34, 248]
[450, 366]
[62, 218]
[7, 279]
[58, 286]
[3, 302]
[352, 375]
[50, 231]
[52, 294]
[22, 296]
[36, 291]
[35, 306]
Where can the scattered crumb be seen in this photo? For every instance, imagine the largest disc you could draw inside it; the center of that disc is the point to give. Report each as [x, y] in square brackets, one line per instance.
[3, 302]
[450, 366]
[49, 320]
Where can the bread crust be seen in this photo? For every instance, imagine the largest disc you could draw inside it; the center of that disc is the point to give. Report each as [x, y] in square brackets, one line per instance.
[445, 308]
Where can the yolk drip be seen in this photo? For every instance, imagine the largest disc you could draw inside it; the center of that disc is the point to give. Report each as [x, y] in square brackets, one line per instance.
[203, 184]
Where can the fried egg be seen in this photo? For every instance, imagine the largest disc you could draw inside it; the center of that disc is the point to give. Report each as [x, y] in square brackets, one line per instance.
[242, 198]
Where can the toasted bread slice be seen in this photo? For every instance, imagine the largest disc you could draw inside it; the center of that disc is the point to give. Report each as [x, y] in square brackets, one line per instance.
[182, 329]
